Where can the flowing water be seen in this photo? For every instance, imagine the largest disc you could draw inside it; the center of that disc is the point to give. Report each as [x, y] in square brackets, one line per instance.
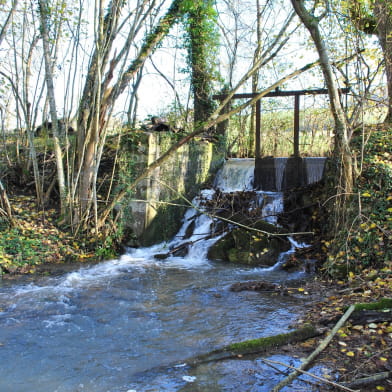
[130, 324]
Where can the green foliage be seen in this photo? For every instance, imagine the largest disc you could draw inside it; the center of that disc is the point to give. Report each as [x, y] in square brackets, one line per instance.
[361, 15]
[106, 246]
[366, 243]
[201, 41]
[18, 249]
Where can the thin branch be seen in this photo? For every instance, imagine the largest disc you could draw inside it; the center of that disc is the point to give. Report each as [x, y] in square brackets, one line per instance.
[324, 343]
[324, 380]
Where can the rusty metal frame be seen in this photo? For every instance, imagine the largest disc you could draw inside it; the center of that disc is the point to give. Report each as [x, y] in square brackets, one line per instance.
[278, 93]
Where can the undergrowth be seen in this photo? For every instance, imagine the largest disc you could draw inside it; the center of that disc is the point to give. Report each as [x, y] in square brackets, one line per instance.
[366, 242]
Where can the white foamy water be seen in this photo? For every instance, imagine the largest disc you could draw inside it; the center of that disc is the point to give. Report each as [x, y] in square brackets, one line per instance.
[236, 175]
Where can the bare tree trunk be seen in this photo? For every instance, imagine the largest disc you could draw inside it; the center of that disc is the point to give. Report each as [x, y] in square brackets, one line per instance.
[44, 16]
[5, 205]
[342, 150]
[255, 81]
[97, 102]
[8, 20]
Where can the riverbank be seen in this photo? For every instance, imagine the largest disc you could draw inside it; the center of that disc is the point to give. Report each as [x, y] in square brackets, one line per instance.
[37, 244]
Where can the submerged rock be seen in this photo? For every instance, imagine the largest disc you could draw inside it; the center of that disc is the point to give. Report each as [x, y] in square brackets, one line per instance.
[255, 285]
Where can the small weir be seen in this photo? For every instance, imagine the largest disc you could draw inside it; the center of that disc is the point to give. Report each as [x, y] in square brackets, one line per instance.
[130, 324]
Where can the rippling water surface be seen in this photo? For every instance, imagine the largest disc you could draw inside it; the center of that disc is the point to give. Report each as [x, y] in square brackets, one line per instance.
[130, 324]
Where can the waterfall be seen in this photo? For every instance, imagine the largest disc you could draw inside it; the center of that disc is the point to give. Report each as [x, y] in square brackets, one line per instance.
[198, 230]
[121, 322]
[236, 175]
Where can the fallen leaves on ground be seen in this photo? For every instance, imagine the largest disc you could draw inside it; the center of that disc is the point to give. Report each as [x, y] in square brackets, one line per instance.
[358, 350]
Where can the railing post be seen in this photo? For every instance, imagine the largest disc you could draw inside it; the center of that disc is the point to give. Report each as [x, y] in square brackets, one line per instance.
[258, 130]
[296, 124]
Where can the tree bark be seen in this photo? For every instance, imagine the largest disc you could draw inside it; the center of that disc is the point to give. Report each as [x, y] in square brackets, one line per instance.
[6, 206]
[255, 82]
[343, 177]
[383, 14]
[8, 20]
[44, 17]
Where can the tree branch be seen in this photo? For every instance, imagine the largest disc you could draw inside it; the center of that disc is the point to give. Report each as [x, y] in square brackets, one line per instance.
[324, 343]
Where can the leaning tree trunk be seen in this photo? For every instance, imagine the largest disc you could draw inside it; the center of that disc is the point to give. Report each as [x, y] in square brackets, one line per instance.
[342, 149]
[96, 102]
[342, 153]
[383, 14]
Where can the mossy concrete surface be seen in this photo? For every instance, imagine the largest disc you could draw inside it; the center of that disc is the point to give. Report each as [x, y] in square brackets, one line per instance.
[153, 212]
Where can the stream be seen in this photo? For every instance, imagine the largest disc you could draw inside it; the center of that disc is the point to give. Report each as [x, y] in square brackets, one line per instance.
[130, 324]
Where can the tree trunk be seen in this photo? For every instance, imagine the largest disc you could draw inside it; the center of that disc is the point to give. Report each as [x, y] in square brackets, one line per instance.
[255, 82]
[201, 58]
[44, 16]
[342, 153]
[5, 205]
[383, 14]
[8, 20]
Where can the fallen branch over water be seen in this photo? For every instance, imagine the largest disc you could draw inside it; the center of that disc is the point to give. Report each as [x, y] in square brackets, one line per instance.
[256, 346]
[384, 303]
[324, 343]
[324, 380]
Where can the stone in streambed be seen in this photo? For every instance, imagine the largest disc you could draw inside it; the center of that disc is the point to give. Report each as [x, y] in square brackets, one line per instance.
[250, 247]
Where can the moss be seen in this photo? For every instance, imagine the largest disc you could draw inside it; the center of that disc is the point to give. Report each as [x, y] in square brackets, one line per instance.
[262, 344]
[248, 247]
[257, 345]
[164, 226]
[383, 303]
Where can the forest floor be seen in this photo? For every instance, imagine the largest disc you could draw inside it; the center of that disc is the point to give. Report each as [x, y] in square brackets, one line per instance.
[362, 347]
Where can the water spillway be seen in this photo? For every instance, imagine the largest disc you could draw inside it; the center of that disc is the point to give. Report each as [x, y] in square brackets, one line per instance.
[129, 324]
[283, 174]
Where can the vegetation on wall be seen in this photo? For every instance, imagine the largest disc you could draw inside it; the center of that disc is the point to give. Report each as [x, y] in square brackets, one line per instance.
[202, 43]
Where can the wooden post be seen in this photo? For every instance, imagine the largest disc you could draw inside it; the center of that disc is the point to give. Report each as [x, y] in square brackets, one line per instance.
[296, 124]
[258, 131]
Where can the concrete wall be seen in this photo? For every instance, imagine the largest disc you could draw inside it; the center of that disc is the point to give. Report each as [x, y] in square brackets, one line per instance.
[146, 213]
